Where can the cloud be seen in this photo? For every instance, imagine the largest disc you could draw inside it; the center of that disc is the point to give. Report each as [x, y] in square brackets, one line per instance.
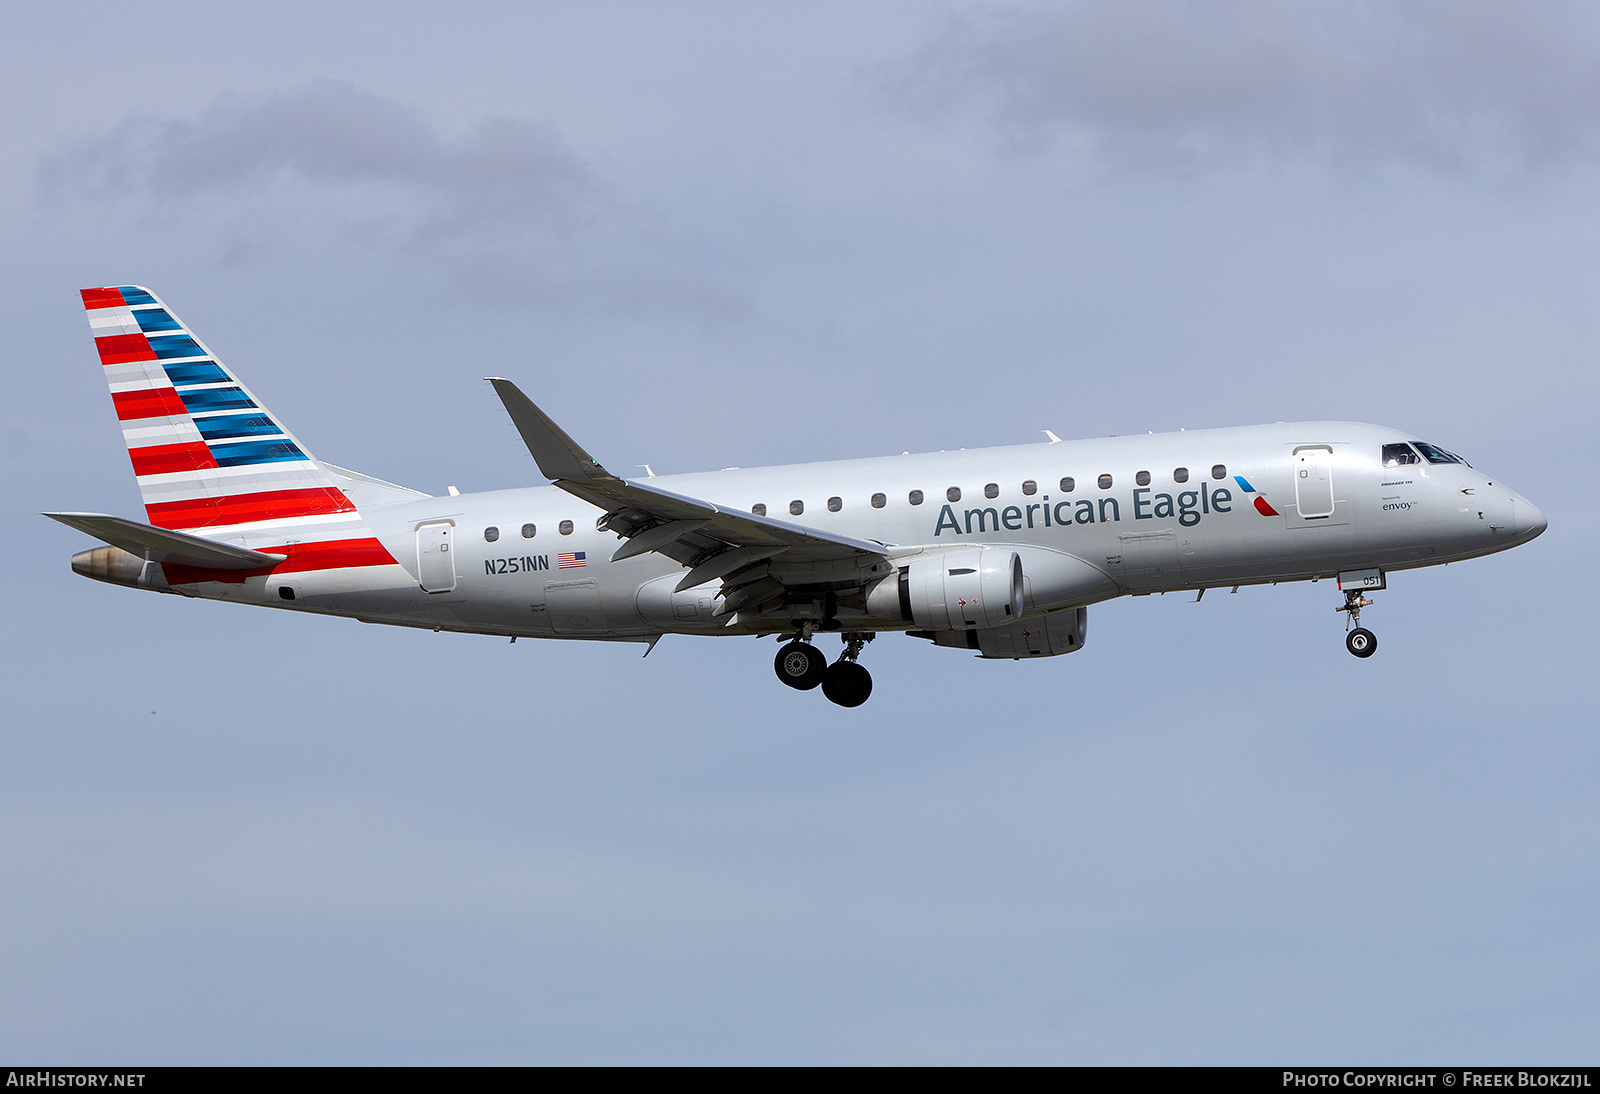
[507, 208]
[326, 131]
[1451, 85]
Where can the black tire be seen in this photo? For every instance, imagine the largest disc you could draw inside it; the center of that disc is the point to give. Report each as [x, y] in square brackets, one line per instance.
[1361, 642]
[800, 665]
[847, 684]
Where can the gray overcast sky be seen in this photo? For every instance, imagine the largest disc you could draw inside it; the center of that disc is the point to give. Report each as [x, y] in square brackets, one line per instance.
[714, 234]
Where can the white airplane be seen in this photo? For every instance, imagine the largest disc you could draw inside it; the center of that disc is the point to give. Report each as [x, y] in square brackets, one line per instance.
[998, 550]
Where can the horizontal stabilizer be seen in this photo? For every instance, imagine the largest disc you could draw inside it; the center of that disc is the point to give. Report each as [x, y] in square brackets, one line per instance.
[162, 545]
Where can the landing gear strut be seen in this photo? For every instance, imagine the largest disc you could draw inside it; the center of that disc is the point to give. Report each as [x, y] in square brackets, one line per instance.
[1360, 641]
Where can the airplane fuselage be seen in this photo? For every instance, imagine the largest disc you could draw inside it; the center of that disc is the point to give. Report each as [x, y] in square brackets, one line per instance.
[531, 562]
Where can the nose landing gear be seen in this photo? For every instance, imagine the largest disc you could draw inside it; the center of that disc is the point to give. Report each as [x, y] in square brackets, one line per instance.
[803, 667]
[1360, 641]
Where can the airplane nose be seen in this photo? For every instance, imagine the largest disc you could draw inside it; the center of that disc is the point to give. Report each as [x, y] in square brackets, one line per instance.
[1526, 519]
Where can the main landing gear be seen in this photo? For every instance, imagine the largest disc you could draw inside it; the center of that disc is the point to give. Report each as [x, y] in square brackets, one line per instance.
[1360, 641]
[802, 666]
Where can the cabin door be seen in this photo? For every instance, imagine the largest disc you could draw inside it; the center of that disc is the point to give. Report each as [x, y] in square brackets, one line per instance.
[436, 562]
[1313, 481]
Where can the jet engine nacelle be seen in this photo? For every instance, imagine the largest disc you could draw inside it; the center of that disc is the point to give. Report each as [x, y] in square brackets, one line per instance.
[977, 587]
[1046, 636]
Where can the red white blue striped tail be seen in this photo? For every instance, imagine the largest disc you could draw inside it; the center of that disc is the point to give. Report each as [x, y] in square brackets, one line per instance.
[209, 458]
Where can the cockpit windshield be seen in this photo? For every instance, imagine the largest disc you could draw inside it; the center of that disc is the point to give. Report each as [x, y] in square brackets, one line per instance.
[1396, 455]
[1436, 454]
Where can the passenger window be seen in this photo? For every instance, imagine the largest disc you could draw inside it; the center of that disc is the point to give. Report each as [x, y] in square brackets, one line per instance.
[1105, 482]
[1180, 474]
[759, 509]
[528, 531]
[835, 504]
[915, 497]
[1398, 455]
[1068, 485]
[992, 490]
[1219, 471]
[491, 533]
[796, 508]
[953, 494]
[1030, 488]
[565, 527]
[879, 501]
[1142, 478]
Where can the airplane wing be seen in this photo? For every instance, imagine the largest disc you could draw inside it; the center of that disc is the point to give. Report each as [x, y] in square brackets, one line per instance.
[709, 539]
[162, 545]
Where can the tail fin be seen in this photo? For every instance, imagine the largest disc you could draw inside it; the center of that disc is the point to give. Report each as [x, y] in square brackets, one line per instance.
[211, 459]
[206, 453]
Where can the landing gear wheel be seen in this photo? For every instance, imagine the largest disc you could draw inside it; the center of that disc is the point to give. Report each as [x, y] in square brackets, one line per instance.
[1361, 642]
[800, 665]
[847, 684]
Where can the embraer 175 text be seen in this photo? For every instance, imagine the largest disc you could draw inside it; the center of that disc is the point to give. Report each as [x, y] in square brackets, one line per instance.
[997, 550]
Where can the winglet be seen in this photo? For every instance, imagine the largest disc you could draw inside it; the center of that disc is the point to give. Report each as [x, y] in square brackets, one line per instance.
[558, 455]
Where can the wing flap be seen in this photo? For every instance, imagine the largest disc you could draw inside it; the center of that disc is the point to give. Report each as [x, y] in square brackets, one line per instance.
[644, 542]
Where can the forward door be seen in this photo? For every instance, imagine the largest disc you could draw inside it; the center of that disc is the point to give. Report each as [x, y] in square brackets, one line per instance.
[1313, 482]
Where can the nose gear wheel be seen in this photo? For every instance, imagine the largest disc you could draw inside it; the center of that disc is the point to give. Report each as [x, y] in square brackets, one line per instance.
[1360, 641]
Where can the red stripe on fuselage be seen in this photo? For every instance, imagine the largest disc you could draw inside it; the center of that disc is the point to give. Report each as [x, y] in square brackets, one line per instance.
[148, 402]
[1263, 508]
[337, 554]
[164, 459]
[119, 349]
[242, 508]
[101, 298]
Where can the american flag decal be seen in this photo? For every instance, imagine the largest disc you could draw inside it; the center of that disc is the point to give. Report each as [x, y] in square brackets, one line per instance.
[568, 559]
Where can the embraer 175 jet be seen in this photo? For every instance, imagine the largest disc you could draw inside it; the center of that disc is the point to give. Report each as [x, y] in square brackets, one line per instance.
[998, 550]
